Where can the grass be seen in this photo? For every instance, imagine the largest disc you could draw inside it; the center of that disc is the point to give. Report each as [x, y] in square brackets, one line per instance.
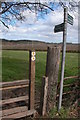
[15, 65]
[64, 113]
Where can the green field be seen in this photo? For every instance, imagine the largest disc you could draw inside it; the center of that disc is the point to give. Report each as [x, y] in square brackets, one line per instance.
[15, 65]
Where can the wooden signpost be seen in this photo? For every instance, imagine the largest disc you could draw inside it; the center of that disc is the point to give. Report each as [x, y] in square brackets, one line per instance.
[31, 79]
[63, 27]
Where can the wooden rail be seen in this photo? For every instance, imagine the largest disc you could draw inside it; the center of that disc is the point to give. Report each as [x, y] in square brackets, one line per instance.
[69, 85]
[16, 113]
[66, 93]
[66, 78]
[13, 100]
[71, 77]
[14, 83]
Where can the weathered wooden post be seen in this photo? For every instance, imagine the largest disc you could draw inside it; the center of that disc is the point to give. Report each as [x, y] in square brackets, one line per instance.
[43, 99]
[52, 67]
[31, 79]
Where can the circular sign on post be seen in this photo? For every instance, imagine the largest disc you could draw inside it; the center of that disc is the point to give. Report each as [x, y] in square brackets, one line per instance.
[33, 58]
[33, 53]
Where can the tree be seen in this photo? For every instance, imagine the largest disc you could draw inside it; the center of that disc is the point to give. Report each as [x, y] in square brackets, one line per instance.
[14, 9]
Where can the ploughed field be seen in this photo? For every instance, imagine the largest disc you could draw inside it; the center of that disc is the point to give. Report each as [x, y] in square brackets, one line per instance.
[15, 65]
[37, 45]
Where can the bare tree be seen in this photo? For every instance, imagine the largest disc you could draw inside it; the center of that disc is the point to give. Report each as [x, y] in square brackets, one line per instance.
[14, 9]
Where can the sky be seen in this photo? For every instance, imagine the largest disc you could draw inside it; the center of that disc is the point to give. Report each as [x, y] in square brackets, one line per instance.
[37, 27]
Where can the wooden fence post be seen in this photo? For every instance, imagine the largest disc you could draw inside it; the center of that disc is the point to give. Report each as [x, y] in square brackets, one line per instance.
[52, 67]
[43, 99]
[31, 79]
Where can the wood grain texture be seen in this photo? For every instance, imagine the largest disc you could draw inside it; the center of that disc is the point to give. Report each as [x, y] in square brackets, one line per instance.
[12, 100]
[43, 101]
[52, 68]
[14, 83]
[31, 81]
[18, 112]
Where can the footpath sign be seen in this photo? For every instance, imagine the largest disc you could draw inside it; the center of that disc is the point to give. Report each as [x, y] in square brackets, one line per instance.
[63, 28]
[70, 19]
[59, 28]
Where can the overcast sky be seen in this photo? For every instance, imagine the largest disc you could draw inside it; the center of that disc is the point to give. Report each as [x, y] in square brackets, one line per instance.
[41, 28]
